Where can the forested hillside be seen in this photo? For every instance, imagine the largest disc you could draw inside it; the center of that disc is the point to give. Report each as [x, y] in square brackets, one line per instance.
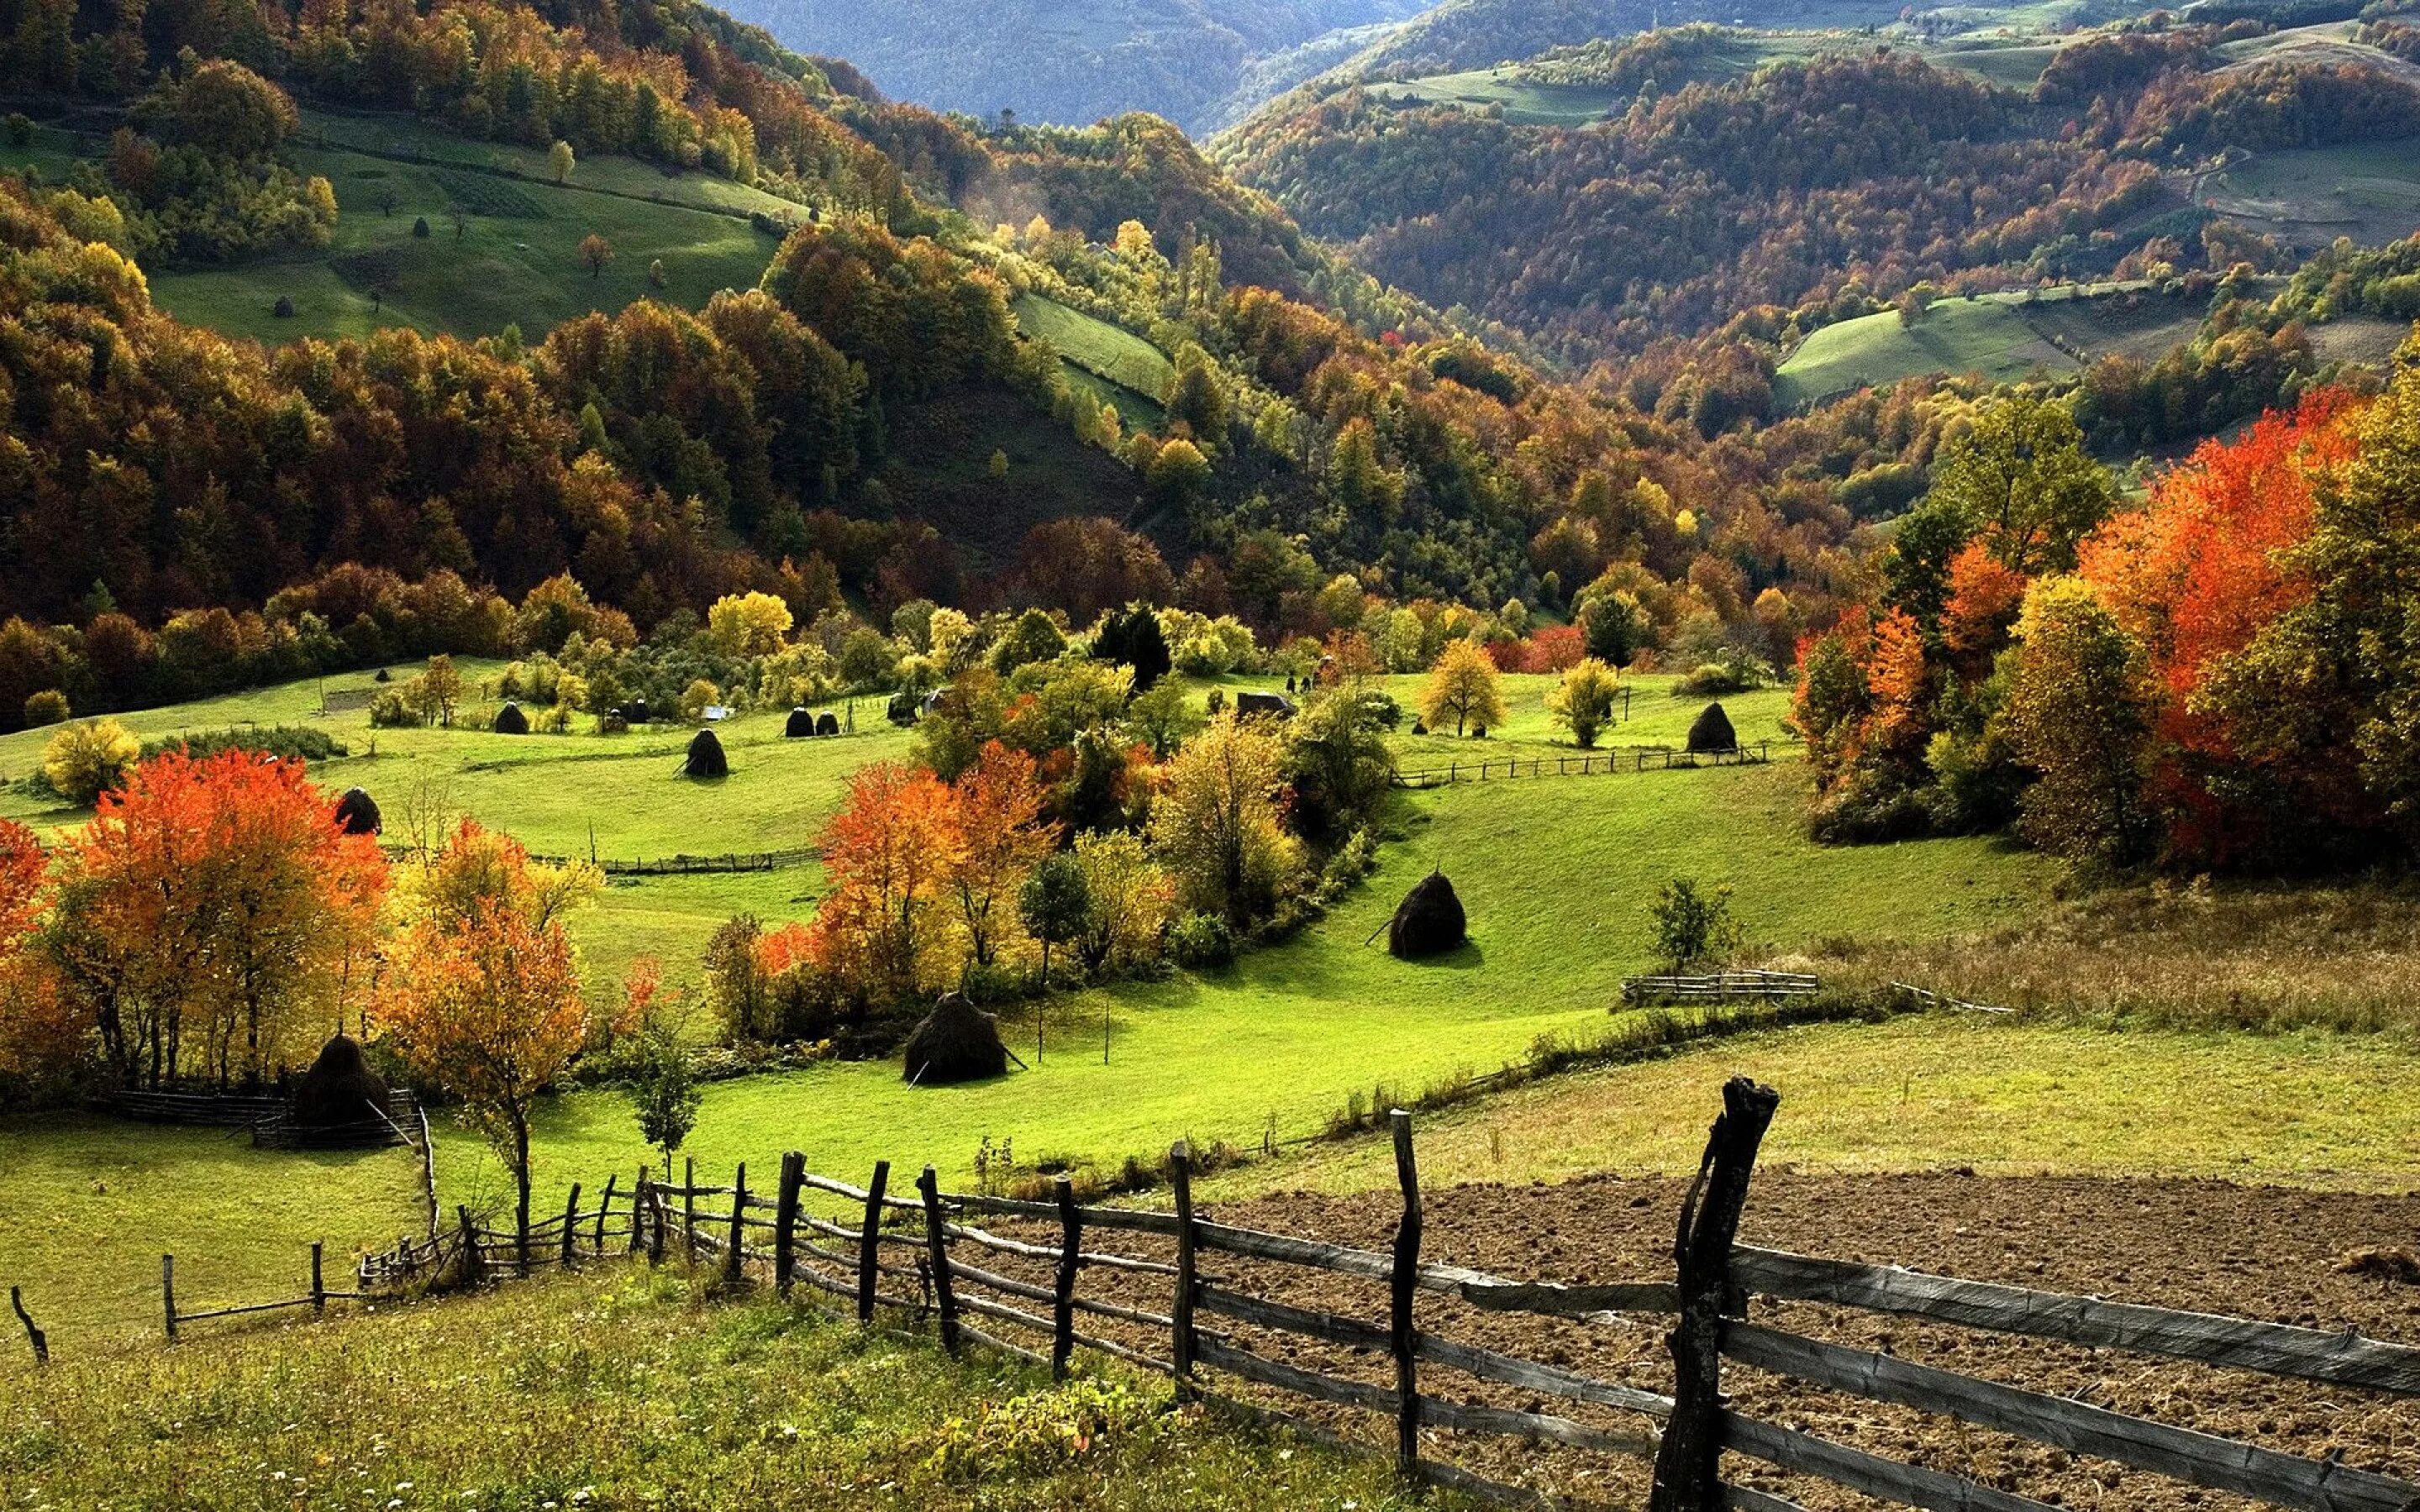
[1806, 189]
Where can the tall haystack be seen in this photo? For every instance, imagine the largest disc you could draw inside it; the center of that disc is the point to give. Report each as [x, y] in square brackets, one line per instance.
[1712, 731]
[1429, 921]
[800, 725]
[636, 711]
[511, 720]
[705, 758]
[357, 814]
[957, 1042]
[828, 723]
[340, 1091]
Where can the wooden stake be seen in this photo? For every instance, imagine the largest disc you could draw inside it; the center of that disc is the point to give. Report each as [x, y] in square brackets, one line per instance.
[1687, 1461]
[35, 1336]
[570, 1225]
[786, 1218]
[1403, 1338]
[168, 1293]
[936, 1252]
[731, 1257]
[318, 1288]
[688, 1208]
[1063, 1291]
[869, 1241]
[1181, 1344]
[604, 1207]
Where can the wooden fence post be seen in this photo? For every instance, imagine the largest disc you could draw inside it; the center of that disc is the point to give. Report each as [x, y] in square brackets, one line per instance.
[168, 1293]
[1687, 1463]
[786, 1218]
[318, 1288]
[731, 1257]
[604, 1206]
[1402, 1337]
[570, 1225]
[937, 1252]
[660, 1215]
[1180, 1177]
[869, 1241]
[688, 1208]
[1062, 1290]
[472, 1261]
[639, 1211]
[39, 1340]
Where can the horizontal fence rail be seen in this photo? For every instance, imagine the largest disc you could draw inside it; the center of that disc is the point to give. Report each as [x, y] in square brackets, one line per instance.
[1588, 763]
[1720, 987]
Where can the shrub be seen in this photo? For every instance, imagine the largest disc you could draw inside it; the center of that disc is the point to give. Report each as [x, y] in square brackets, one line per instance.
[20, 129]
[1692, 924]
[49, 706]
[285, 742]
[84, 761]
[1740, 674]
[1869, 808]
[391, 710]
[695, 698]
[1202, 941]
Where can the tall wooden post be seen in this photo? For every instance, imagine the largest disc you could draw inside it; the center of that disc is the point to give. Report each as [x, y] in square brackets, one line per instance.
[168, 1293]
[786, 1218]
[688, 1208]
[659, 1217]
[1689, 1460]
[1402, 1338]
[639, 1211]
[318, 1286]
[731, 1257]
[1063, 1291]
[869, 1243]
[604, 1207]
[936, 1252]
[570, 1225]
[1181, 1343]
[35, 1336]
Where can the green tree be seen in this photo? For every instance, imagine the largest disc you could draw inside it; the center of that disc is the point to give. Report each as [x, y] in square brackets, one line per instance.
[1583, 700]
[1054, 905]
[1164, 716]
[1217, 824]
[663, 1090]
[559, 161]
[1692, 924]
[1613, 627]
[1337, 762]
[735, 984]
[2020, 477]
[2078, 715]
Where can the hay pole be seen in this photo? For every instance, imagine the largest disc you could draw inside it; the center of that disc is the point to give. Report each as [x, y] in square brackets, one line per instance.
[168, 1293]
[39, 1340]
[318, 1286]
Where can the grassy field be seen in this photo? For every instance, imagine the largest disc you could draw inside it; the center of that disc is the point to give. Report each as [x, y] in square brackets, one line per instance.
[516, 261]
[1096, 346]
[2367, 191]
[617, 1389]
[2001, 336]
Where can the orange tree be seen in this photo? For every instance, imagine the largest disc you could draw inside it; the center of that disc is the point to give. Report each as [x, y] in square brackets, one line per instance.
[1001, 838]
[484, 996]
[889, 856]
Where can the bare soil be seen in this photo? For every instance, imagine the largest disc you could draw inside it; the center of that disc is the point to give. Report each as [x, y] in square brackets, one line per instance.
[2263, 1253]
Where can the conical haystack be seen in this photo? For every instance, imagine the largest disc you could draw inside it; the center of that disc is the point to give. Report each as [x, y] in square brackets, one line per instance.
[340, 1089]
[511, 720]
[357, 814]
[1429, 921]
[1712, 731]
[801, 724]
[957, 1042]
[705, 758]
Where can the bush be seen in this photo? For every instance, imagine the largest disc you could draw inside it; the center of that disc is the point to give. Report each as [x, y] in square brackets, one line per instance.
[390, 710]
[1693, 924]
[84, 761]
[1869, 810]
[1202, 941]
[20, 129]
[285, 742]
[1741, 674]
[49, 706]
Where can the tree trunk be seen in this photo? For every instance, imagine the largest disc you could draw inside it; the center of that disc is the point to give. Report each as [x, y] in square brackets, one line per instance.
[521, 1189]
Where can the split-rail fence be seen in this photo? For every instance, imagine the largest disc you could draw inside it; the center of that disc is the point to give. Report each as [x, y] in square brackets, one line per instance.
[1039, 1280]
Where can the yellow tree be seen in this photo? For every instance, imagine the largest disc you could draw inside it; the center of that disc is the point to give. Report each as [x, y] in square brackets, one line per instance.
[1583, 700]
[1219, 826]
[1462, 687]
[749, 625]
[484, 996]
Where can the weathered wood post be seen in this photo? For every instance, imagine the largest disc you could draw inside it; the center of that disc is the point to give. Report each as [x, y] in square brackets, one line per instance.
[659, 1217]
[731, 1257]
[39, 1340]
[1689, 1460]
[937, 1254]
[786, 1218]
[869, 1241]
[570, 1225]
[318, 1286]
[604, 1207]
[472, 1261]
[639, 1211]
[1062, 1289]
[1401, 1338]
[1181, 1343]
[688, 1208]
[168, 1293]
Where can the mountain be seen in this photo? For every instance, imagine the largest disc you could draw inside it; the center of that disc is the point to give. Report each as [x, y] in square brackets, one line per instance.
[1060, 62]
[1603, 198]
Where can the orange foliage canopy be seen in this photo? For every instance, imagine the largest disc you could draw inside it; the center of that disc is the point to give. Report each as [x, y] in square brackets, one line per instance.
[888, 854]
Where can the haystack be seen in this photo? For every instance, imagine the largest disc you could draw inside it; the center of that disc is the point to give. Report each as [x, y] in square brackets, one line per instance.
[705, 758]
[511, 720]
[339, 1089]
[828, 723]
[636, 710]
[957, 1042]
[357, 814]
[801, 724]
[1712, 731]
[1429, 921]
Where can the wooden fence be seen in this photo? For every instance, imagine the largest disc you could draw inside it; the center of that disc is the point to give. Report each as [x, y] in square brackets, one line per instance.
[677, 865]
[1588, 763]
[1719, 987]
[265, 1115]
[1034, 1278]
[317, 1298]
